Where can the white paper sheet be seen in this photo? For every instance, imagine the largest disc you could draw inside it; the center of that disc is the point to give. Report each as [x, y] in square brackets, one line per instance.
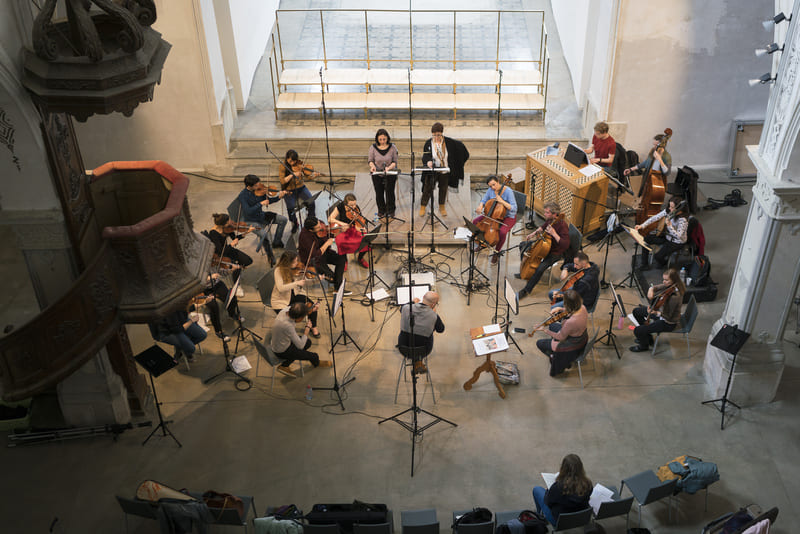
[600, 494]
[632, 319]
[240, 364]
[590, 170]
[462, 232]
[492, 329]
[490, 344]
[549, 478]
[378, 294]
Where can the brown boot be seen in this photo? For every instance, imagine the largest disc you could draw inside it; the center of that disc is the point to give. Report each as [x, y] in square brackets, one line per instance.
[442, 210]
[420, 368]
[422, 211]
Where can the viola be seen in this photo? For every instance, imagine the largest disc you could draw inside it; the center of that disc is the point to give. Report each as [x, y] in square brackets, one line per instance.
[538, 251]
[659, 301]
[568, 283]
[493, 214]
[554, 318]
[652, 191]
[300, 172]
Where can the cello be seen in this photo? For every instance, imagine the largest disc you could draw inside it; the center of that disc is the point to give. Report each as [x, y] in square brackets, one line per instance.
[651, 193]
[538, 251]
[493, 215]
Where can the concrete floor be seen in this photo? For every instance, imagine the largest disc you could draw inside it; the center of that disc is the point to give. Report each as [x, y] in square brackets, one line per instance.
[634, 414]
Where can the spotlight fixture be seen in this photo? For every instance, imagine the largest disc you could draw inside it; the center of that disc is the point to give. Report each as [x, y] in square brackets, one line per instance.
[764, 78]
[770, 49]
[777, 19]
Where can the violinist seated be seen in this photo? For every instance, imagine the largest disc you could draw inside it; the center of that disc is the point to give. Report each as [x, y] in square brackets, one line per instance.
[603, 146]
[292, 174]
[661, 159]
[581, 275]
[568, 337]
[217, 290]
[664, 311]
[228, 255]
[289, 280]
[504, 202]
[254, 198]
[180, 331]
[558, 230]
[346, 216]
[676, 232]
[287, 345]
[314, 249]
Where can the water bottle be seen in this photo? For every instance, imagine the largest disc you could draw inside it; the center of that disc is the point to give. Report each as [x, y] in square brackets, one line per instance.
[309, 392]
[683, 274]
[376, 219]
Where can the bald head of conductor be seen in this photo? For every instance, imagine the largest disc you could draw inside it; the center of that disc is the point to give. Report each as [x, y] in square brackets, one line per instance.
[430, 299]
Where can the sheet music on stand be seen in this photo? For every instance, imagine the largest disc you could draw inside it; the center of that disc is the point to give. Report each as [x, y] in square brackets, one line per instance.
[491, 339]
[462, 232]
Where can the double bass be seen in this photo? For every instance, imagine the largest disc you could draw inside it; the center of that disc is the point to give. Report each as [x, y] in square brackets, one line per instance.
[651, 193]
[538, 251]
[493, 215]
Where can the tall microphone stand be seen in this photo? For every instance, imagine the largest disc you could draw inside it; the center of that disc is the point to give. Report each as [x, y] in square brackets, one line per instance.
[337, 387]
[330, 187]
[415, 410]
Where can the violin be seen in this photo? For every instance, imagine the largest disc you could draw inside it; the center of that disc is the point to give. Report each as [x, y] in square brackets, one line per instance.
[538, 251]
[223, 264]
[554, 318]
[493, 214]
[241, 228]
[200, 300]
[357, 220]
[326, 231]
[568, 283]
[260, 190]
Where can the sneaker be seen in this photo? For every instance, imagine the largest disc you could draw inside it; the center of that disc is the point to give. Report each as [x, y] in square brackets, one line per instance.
[637, 348]
[442, 210]
[422, 211]
[362, 262]
[347, 293]
[325, 363]
[517, 276]
[284, 370]
[420, 368]
[223, 336]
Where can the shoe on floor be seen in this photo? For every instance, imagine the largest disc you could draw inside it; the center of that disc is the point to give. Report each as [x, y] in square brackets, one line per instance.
[521, 295]
[362, 262]
[278, 244]
[420, 368]
[315, 336]
[442, 210]
[325, 363]
[637, 348]
[347, 293]
[517, 276]
[295, 226]
[284, 369]
[422, 211]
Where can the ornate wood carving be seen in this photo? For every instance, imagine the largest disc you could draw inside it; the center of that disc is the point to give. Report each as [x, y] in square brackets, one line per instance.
[65, 335]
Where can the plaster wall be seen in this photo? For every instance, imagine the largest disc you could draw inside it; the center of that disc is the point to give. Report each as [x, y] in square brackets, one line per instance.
[684, 65]
[252, 22]
[177, 125]
[215, 64]
[571, 18]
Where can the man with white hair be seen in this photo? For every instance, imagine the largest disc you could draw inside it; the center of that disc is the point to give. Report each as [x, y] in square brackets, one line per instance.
[426, 322]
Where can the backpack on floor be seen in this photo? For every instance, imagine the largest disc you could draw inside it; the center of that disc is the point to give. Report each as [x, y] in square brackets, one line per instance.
[476, 515]
[699, 271]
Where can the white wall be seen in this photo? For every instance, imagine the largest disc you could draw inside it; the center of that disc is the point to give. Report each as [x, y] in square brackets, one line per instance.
[177, 125]
[571, 18]
[213, 47]
[687, 69]
[251, 23]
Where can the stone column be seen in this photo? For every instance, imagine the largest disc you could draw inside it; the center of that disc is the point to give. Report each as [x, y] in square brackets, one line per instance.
[765, 279]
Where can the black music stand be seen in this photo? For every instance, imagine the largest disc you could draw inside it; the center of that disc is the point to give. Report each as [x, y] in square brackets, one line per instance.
[475, 239]
[609, 336]
[157, 362]
[366, 242]
[730, 339]
[428, 174]
[338, 302]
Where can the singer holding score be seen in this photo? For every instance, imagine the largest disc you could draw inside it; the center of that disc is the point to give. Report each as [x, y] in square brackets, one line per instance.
[441, 152]
[383, 157]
